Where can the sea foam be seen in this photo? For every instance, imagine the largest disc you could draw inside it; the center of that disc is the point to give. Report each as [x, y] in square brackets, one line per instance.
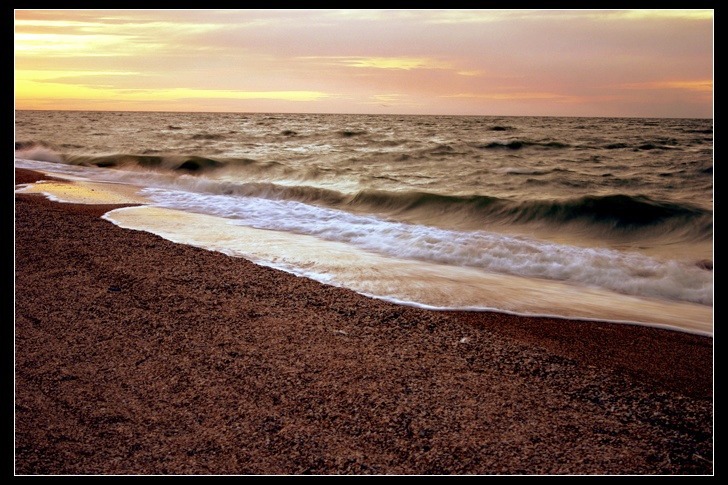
[623, 272]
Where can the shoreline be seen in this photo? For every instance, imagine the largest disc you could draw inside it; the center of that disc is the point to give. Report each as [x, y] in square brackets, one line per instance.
[125, 365]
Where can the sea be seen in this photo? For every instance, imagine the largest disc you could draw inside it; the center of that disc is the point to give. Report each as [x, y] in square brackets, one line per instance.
[607, 219]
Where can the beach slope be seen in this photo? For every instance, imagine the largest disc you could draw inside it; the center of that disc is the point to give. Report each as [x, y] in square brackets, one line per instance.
[135, 355]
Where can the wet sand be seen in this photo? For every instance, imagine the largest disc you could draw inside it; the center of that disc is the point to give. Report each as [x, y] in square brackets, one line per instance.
[135, 355]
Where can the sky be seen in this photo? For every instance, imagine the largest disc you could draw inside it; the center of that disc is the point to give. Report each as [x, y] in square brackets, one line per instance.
[633, 63]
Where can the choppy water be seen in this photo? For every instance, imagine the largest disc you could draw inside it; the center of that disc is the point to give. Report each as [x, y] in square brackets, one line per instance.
[621, 207]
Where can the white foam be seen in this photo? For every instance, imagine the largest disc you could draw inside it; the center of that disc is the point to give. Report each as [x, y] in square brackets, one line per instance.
[623, 272]
[39, 153]
[429, 285]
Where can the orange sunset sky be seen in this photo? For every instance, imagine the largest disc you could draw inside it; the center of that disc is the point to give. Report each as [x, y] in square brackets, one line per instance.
[646, 63]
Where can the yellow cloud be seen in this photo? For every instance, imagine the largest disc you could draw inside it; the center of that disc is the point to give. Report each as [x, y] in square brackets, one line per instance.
[64, 38]
[50, 75]
[508, 96]
[386, 100]
[405, 63]
[470, 73]
[67, 45]
[29, 92]
[465, 16]
[184, 93]
[670, 13]
[701, 85]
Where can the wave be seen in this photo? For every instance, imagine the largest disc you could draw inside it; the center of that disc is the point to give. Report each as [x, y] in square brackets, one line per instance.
[661, 144]
[167, 162]
[609, 214]
[531, 170]
[47, 152]
[627, 273]
[624, 213]
[351, 133]
[207, 136]
[621, 212]
[519, 144]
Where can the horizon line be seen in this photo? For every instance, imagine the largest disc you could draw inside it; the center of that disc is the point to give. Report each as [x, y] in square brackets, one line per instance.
[368, 114]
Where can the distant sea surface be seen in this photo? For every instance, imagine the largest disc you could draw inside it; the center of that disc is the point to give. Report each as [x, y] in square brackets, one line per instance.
[594, 218]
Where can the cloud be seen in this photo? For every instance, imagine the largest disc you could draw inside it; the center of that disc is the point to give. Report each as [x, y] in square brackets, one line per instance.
[404, 63]
[524, 95]
[345, 60]
[704, 86]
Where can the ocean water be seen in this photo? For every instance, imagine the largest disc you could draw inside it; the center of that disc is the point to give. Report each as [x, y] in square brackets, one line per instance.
[593, 218]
